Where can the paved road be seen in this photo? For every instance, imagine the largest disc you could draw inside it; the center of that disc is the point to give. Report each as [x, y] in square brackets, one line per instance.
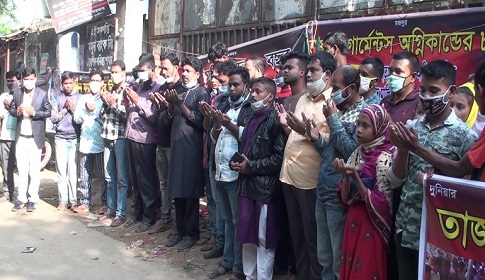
[66, 249]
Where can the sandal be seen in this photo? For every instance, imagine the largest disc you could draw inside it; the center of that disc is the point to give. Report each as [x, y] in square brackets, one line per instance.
[209, 245]
[220, 271]
[203, 239]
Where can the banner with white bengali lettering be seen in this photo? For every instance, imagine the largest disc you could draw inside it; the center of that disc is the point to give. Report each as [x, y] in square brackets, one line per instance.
[270, 48]
[452, 241]
[99, 45]
[456, 35]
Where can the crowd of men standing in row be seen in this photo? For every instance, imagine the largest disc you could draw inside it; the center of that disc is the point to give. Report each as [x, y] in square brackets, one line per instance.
[262, 150]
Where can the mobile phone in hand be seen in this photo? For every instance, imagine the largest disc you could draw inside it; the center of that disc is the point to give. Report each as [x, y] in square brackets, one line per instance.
[237, 157]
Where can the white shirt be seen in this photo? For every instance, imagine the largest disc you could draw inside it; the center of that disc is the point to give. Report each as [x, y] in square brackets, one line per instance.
[9, 122]
[26, 124]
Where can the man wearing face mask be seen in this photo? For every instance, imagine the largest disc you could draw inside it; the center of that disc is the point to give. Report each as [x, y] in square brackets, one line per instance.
[91, 146]
[66, 140]
[141, 131]
[299, 172]
[169, 65]
[215, 245]
[7, 135]
[337, 44]
[31, 106]
[341, 112]
[439, 130]
[403, 73]
[228, 126]
[186, 177]
[262, 146]
[113, 114]
[371, 70]
[401, 106]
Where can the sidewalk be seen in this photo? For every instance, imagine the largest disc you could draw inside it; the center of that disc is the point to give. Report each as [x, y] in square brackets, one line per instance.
[67, 249]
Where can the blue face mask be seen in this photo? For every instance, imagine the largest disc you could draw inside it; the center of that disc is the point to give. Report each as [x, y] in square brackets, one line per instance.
[338, 98]
[395, 83]
[280, 81]
[237, 102]
[223, 90]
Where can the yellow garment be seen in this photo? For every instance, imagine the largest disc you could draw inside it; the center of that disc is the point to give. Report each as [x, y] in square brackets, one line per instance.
[301, 160]
[474, 110]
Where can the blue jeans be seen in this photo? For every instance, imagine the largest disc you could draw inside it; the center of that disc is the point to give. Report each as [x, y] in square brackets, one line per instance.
[229, 202]
[116, 174]
[66, 168]
[330, 231]
[218, 230]
[163, 160]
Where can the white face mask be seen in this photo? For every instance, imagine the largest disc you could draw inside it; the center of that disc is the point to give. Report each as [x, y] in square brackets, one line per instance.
[258, 106]
[365, 84]
[315, 88]
[117, 78]
[191, 84]
[95, 87]
[143, 76]
[170, 79]
[29, 84]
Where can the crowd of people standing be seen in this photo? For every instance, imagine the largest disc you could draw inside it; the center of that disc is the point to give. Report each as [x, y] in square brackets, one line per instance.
[311, 174]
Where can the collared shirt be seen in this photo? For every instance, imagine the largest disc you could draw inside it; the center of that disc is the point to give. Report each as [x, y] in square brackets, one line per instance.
[114, 117]
[301, 160]
[373, 99]
[452, 139]
[226, 146]
[141, 125]
[341, 144]
[91, 124]
[9, 122]
[26, 124]
[402, 110]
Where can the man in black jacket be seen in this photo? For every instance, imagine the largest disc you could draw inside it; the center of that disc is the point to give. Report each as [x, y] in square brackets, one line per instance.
[262, 147]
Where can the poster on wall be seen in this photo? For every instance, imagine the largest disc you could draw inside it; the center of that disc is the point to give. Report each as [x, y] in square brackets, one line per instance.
[452, 243]
[67, 14]
[99, 45]
[461, 41]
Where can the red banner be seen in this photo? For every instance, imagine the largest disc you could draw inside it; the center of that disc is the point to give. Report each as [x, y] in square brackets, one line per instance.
[452, 228]
[454, 35]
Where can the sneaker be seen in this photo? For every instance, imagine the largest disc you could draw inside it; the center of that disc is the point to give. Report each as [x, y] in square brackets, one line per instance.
[17, 206]
[4, 198]
[187, 243]
[30, 206]
[118, 220]
[61, 207]
[160, 226]
[81, 209]
[131, 222]
[174, 240]
[214, 253]
[102, 210]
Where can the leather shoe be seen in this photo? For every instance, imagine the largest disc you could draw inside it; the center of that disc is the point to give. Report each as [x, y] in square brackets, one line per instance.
[214, 253]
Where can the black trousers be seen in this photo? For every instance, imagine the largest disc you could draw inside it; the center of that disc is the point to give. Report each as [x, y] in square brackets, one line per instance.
[187, 217]
[303, 230]
[284, 254]
[143, 173]
[407, 260]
